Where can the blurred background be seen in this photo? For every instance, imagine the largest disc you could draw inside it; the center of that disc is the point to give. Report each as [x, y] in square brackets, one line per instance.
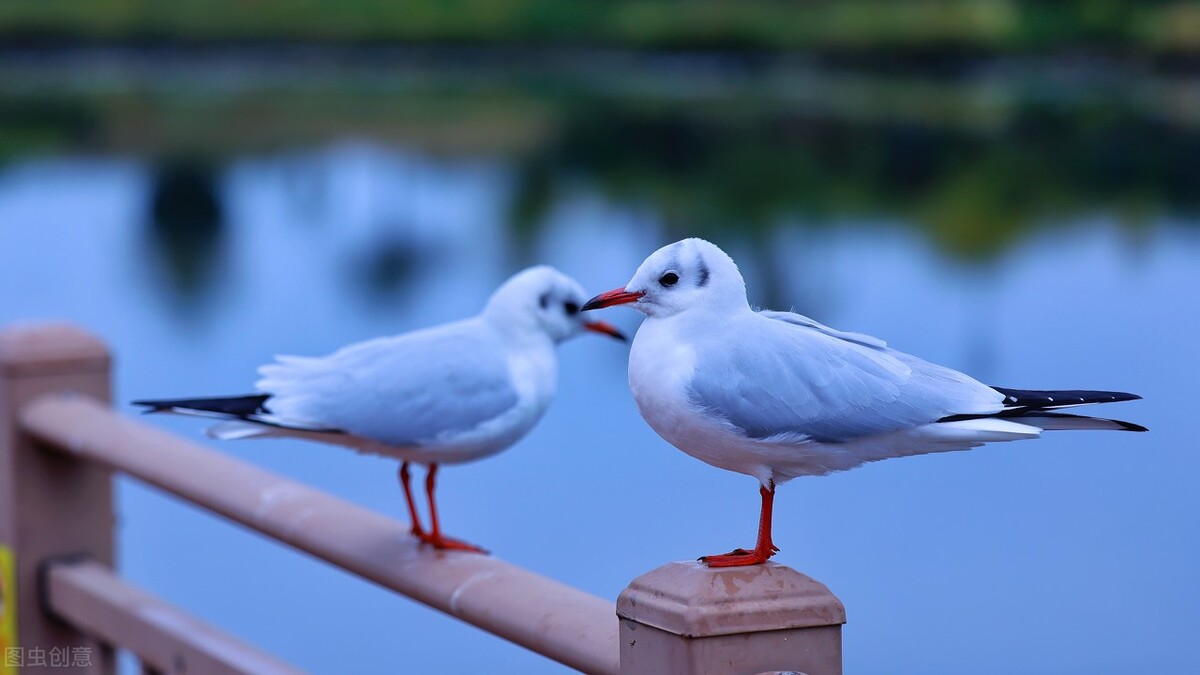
[1005, 187]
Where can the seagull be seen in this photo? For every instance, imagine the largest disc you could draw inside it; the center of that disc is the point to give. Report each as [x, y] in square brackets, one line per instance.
[452, 393]
[776, 395]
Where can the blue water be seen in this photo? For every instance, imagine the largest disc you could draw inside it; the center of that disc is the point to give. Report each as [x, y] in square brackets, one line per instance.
[1073, 554]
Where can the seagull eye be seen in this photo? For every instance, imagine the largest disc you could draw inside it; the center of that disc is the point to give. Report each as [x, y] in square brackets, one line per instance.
[669, 279]
[571, 308]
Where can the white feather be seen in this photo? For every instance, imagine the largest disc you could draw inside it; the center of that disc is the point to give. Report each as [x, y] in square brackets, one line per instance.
[230, 431]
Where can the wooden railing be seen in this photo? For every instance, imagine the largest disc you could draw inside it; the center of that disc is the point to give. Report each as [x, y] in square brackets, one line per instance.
[60, 442]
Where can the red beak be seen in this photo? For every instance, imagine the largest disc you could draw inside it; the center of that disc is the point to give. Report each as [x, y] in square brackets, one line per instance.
[617, 296]
[604, 327]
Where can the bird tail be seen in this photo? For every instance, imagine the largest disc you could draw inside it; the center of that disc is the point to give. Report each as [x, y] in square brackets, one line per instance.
[1049, 421]
[234, 407]
[237, 429]
[1038, 408]
[241, 412]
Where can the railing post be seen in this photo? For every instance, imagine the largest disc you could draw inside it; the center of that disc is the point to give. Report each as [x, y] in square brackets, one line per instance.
[689, 619]
[50, 504]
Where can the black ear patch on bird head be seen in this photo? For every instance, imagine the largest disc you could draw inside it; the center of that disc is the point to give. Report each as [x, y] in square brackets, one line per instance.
[702, 279]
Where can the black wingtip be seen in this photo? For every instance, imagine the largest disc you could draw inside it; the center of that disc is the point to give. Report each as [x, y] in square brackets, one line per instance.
[1039, 399]
[1130, 426]
[233, 406]
[151, 406]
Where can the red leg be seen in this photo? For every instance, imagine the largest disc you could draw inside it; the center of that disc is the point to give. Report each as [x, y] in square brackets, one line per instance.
[435, 536]
[763, 549]
[417, 530]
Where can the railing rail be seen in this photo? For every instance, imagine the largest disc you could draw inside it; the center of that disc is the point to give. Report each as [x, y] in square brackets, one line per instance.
[165, 639]
[546, 616]
[56, 452]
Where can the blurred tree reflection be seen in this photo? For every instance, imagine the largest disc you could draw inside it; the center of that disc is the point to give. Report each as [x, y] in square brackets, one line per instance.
[186, 224]
[388, 268]
[974, 162]
[975, 192]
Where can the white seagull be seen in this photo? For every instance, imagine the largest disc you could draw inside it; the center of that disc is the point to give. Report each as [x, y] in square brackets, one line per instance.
[776, 395]
[451, 393]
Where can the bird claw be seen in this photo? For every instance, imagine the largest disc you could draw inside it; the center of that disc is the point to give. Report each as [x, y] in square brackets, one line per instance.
[739, 557]
[447, 544]
[456, 545]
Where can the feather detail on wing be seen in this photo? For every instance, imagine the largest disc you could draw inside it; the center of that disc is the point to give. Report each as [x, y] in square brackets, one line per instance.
[805, 381]
[801, 320]
[380, 389]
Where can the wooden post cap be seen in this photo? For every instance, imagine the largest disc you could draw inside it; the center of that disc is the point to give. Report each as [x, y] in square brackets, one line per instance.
[46, 348]
[693, 600]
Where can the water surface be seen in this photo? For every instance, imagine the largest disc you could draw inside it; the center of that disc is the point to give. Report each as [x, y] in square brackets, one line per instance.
[1054, 246]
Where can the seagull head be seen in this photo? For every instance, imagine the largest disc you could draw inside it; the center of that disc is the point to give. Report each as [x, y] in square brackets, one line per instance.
[542, 299]
[687, 274]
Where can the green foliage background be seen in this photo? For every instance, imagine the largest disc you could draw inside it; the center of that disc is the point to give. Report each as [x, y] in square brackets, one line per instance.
[1150, 26]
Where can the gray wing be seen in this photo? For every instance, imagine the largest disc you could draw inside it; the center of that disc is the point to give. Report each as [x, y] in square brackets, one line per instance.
[408, 390]
[796, 379]
[801, 320]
